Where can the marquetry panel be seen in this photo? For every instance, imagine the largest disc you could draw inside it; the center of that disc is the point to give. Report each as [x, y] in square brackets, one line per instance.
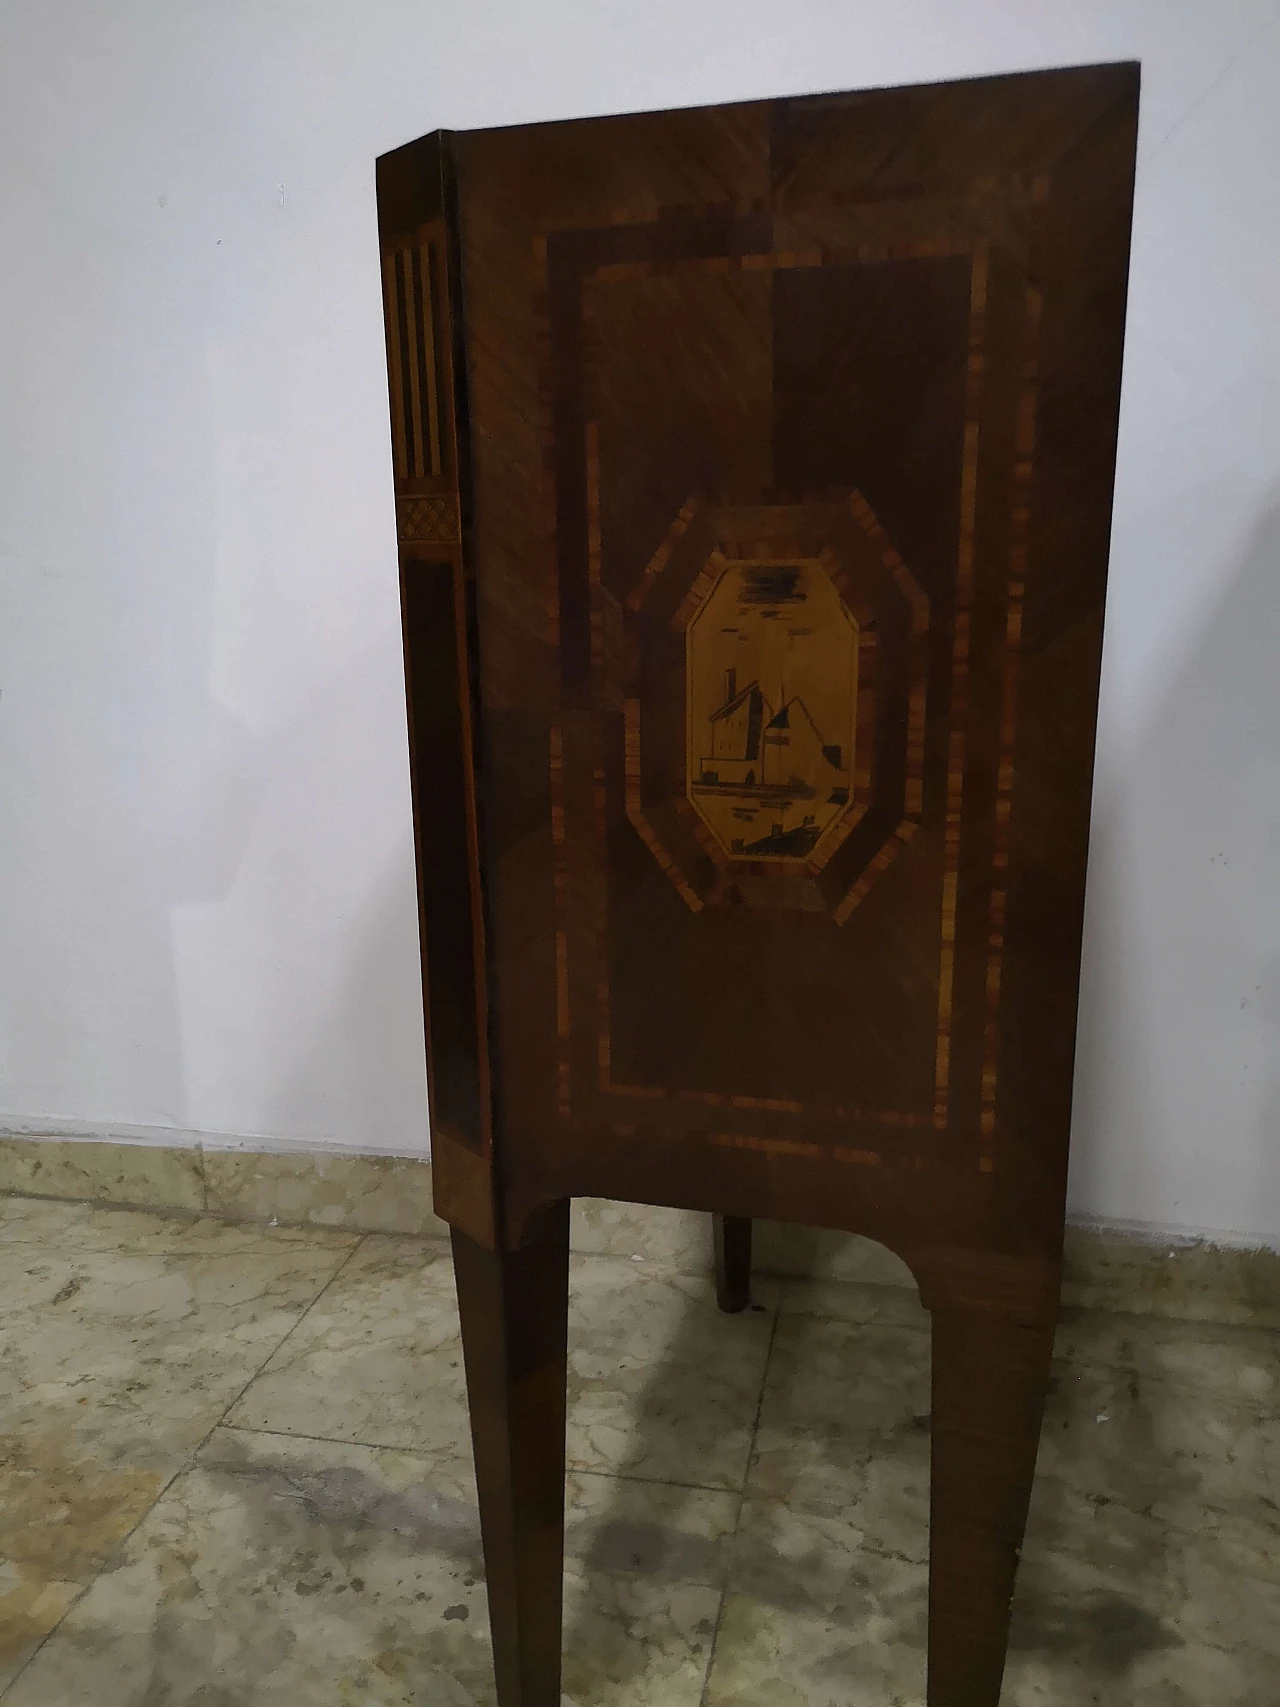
[910, 731]
[785, 486]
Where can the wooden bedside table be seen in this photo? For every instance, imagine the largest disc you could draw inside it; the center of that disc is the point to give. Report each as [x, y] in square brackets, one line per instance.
[753, 483]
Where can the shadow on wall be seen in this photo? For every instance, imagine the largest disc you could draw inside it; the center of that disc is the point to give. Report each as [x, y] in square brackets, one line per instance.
[208, 913]
[359, 1074]
[108, 715]
[296, 936]
[1178, 1082]
[368, 1055]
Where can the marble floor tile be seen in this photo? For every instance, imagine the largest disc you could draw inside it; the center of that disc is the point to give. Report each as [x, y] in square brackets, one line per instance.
[335, 1562]
[661, 1384]
[113, 1366]
[648, 1529]
[814, 1617]
[1198, 1586]
[62, 1513]
[645, 1564]
[135, 1353]
[1151, 1568]
[1114, 1605]
[844, 1426]
[1172, 1677]
[1174, 1422]
[279, 1570]
[635, 1642]
[1109, 1609]
[378, 1360]
[32, 1220]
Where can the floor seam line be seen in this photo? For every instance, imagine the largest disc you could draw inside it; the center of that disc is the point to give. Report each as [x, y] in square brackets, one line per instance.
[278, 1347]
[426, 1452]
[731, 1540]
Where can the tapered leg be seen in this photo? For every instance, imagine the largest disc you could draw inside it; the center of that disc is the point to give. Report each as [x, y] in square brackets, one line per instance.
[514, 1309]
[733, 1262]
[990, 1379]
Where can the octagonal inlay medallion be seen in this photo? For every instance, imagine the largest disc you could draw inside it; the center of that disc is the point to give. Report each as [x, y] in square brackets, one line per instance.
[774, 670]
[772, 700]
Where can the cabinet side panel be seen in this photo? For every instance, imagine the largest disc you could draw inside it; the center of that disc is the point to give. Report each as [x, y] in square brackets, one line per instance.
[785, 923]
[437, 602]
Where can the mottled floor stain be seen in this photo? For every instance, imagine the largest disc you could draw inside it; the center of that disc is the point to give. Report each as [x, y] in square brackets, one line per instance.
[310, 1572]
[237, 1474]
[61, 1515]
[1109, 1631]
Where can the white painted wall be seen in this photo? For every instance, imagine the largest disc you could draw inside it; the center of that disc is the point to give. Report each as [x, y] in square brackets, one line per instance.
[206, 909]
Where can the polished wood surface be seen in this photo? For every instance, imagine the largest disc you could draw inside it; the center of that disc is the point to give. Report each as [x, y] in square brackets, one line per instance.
[514, 1308]
[990, 1380]
[753, 472]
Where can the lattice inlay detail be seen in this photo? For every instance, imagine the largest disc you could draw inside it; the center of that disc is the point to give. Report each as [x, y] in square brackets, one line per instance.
[429, 520]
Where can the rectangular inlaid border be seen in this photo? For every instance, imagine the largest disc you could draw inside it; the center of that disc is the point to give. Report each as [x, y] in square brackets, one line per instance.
[977, 248]
[865, 254]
